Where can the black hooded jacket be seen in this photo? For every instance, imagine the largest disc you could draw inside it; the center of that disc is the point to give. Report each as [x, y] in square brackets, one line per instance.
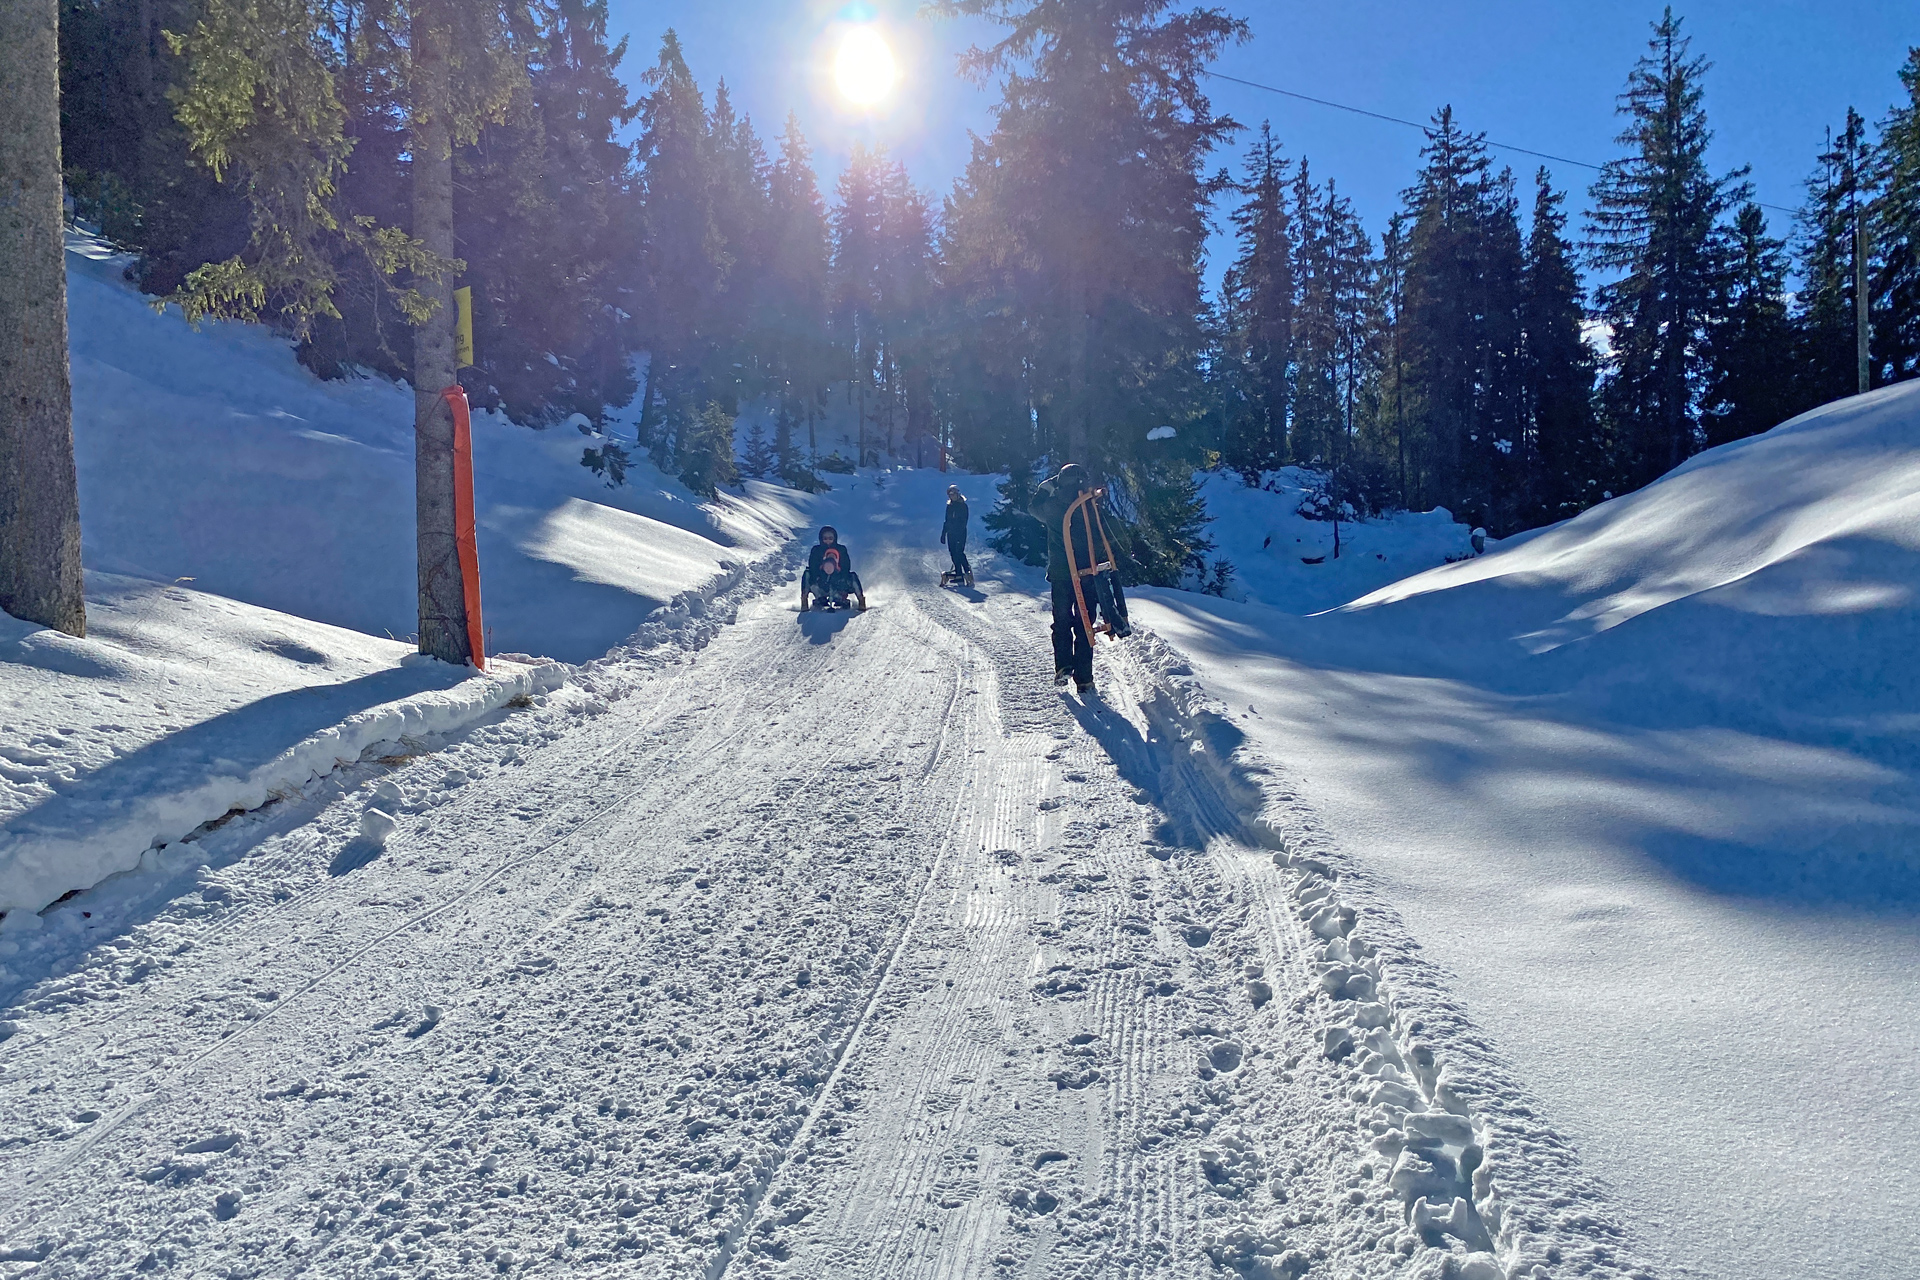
[956, 523]
[1051, 498]
[817, 557]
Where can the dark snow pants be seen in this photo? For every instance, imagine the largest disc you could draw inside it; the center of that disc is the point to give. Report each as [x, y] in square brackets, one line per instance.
[1072, 645]
[957, 548]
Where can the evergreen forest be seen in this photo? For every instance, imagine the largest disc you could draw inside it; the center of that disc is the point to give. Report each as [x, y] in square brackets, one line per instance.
[633, 241]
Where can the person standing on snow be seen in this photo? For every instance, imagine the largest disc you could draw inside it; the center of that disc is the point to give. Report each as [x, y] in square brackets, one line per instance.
[1072, 638]
[954, 533]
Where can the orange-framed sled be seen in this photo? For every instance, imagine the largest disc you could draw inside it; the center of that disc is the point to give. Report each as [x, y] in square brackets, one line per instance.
[1087, 505]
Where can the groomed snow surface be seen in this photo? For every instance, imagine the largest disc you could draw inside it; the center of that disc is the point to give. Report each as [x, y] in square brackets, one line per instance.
[1549, 914]
[846, 945]
[1643, 783]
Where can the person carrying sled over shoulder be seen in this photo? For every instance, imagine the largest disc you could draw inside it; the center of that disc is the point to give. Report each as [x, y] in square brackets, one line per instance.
[829, 578]
[954, 534]
[1086, 587]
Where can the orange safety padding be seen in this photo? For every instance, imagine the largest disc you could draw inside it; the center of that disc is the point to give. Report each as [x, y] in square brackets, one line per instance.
[464, 524]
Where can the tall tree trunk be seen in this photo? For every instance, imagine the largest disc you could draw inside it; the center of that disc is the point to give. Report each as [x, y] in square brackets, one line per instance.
[1077, 368]
[443, 606]
[39, 489]
[643, 431]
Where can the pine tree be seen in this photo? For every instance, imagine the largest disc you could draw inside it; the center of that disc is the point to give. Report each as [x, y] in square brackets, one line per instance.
[40, 577]
[740, 212]
[1354, 324]
[1751, 387]
[129, 166]
[859, 268]
[1390, 284]
[1011, 528]
[706, 451]
[1160, 523]
[759, 460]
[795, 350]
[1896, 234]
[1091, 184]
[683, 261]
[1838, 196]
[909, 302]
[1459, 334]
[1657, 221]
[1317, 420]
[1560, 444]
[1258, 305]
[545, 217]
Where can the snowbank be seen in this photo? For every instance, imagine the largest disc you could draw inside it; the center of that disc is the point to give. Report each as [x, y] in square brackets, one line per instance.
[181, 707]
[1260, 531]
[1645, 786]
[211, 454]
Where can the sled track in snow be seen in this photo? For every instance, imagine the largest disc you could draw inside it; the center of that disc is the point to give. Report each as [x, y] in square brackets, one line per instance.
[102, 1129]
[1058, 1007]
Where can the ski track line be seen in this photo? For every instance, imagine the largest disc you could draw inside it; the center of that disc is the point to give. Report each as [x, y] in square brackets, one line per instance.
[1031, 1047]
[101, 1129]
[850, 1047]
[911, 1170]
[679, 896]
[106, 1126]
[294, 846]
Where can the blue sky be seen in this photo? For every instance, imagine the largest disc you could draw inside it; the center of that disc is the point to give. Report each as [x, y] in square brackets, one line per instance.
[1541, 74]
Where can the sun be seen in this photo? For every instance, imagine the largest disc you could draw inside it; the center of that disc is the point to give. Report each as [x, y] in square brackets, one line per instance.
[864, 68]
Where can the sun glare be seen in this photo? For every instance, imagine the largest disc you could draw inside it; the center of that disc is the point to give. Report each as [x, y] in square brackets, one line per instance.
[864, 68]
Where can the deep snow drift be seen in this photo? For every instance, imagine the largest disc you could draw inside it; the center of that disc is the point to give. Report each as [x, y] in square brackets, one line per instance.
[1644, 782]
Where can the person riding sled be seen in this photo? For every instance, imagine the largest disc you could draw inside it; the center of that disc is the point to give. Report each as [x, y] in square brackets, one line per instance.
[1087, 598]
[954, 534]
[829, 578]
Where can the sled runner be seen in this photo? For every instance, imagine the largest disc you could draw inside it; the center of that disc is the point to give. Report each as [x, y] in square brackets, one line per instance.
[1100, 579]
[829, 595]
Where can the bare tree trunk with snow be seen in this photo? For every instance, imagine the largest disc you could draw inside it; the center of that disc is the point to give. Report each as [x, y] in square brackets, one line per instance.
[443, 607]
[39, 489]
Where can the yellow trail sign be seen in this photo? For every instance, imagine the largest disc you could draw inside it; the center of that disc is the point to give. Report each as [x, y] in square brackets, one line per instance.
[463, 326]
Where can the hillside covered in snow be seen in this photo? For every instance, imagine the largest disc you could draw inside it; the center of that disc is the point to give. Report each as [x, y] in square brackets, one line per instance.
[1644, 784]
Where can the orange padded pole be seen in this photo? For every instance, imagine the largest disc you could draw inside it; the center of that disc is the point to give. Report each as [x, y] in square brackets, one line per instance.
[464, 525]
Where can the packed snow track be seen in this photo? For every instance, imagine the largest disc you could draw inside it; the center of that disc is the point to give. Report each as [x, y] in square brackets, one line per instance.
[844, 946]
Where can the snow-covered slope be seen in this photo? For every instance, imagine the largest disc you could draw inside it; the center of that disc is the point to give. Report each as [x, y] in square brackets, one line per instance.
[249, 539]
[1645, 783]
[1281, 558]
[212, 455]
[180, 707]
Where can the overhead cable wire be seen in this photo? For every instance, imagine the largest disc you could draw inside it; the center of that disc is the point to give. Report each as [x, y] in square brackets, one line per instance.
[1425, 128]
